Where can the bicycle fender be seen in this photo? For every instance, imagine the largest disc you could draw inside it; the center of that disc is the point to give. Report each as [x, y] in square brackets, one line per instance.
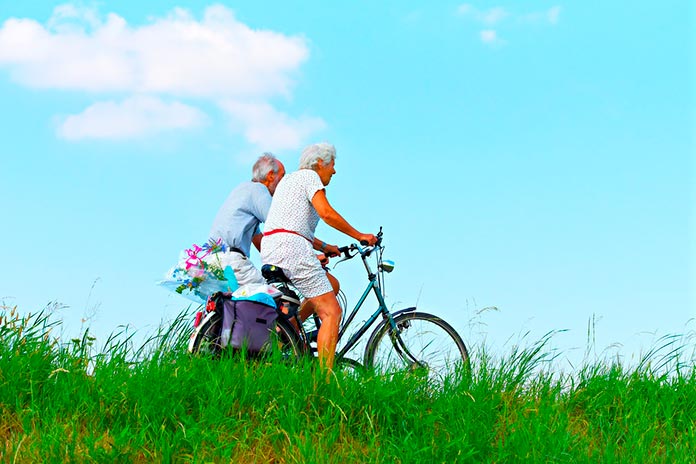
[198, 329]
[412, 309]
[381, 325]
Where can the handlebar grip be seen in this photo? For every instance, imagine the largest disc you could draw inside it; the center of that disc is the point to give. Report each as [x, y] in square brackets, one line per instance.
[379, 239]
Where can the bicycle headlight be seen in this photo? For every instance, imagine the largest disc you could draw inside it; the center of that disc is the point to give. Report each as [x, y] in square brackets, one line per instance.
[387, 265]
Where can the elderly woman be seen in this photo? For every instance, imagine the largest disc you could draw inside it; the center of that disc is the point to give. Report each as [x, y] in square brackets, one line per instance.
[289, 243]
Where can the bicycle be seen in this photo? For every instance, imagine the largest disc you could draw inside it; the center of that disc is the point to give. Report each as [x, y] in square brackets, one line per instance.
[403, 340]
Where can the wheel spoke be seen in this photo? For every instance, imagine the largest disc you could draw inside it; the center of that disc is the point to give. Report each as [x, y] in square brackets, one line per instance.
[423, 343]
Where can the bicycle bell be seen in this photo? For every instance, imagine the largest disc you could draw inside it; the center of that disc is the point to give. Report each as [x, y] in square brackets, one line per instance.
[387, 265]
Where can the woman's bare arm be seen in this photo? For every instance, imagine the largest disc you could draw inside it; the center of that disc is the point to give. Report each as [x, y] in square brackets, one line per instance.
[335, 220]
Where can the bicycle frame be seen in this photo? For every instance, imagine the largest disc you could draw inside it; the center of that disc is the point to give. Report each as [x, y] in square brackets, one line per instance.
[382, 309]
[372, 286]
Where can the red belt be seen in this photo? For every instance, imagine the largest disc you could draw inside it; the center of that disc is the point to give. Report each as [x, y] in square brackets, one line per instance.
[278, 231]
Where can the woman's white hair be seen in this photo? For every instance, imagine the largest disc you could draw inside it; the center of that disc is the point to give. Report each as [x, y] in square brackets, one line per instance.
[265, 164]
[319, 151]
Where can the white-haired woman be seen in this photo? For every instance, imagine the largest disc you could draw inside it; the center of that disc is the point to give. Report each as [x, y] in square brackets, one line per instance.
[289, 242]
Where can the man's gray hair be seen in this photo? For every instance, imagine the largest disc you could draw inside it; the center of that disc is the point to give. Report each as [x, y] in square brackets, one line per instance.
[319, 151]
[265, 164]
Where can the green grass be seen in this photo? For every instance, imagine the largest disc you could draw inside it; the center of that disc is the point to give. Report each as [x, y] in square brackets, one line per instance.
[75, 403]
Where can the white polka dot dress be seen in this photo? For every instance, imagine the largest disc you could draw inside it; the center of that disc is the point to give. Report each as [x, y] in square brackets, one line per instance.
[292, 210]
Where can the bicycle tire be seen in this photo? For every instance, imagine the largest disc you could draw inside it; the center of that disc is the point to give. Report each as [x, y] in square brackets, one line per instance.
[285, 342]
[205, 339]
[350, 366]
[437, 347]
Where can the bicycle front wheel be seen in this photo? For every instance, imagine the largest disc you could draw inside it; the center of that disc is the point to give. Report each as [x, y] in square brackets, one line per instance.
[421, 342]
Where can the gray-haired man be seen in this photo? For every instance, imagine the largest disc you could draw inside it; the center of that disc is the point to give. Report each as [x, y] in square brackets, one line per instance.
[237, 222]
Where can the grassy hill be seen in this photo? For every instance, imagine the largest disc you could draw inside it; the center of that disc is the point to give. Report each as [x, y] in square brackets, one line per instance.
[72, 403]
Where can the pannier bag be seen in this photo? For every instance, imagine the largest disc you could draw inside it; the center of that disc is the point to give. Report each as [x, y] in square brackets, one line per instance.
[246, 321]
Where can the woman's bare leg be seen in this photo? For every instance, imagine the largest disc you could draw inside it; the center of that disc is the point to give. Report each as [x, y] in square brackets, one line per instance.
[329, 311]
[306, 310]
[334, 282]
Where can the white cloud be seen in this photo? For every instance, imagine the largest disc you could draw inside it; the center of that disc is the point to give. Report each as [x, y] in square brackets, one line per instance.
[216, 58]
[131, 118]
[488, 17]
[490, 36]
[554, 14]
[493, 15]
[496, 16]
[464, 9]
[550, 16]
[67, 18]
[268, 128]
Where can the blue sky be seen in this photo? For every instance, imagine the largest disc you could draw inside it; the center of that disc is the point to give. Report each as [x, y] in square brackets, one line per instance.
[537, 157]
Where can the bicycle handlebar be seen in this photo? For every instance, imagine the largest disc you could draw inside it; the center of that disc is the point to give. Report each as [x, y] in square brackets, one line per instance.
[379, 239]
[344, 250]
[365, 252]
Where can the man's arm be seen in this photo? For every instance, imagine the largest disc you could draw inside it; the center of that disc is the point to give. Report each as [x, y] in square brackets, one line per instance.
[262, 203]
[256, 240]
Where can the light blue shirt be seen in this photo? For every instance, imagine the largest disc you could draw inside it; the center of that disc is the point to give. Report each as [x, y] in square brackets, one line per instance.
[240, 215]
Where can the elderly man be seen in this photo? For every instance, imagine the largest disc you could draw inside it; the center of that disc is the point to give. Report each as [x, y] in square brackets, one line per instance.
[237, 222]
[289, 241]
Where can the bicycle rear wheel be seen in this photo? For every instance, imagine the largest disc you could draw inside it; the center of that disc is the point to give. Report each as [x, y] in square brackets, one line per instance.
[205, 339]
[283, 341]
[421, 342]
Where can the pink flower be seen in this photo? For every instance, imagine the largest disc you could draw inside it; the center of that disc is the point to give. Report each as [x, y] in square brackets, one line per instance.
[193, 259]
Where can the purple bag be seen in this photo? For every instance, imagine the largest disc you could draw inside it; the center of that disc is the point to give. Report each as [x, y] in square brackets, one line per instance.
[245, 323]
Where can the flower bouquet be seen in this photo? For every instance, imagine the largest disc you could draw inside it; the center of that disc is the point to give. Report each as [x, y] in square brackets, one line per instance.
[197, 278]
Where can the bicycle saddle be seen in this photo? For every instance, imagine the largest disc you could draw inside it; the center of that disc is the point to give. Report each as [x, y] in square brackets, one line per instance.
[273, 274]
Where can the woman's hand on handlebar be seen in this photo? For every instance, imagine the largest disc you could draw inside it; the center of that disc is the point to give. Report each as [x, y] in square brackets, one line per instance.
[331, 251]
[367, 239]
